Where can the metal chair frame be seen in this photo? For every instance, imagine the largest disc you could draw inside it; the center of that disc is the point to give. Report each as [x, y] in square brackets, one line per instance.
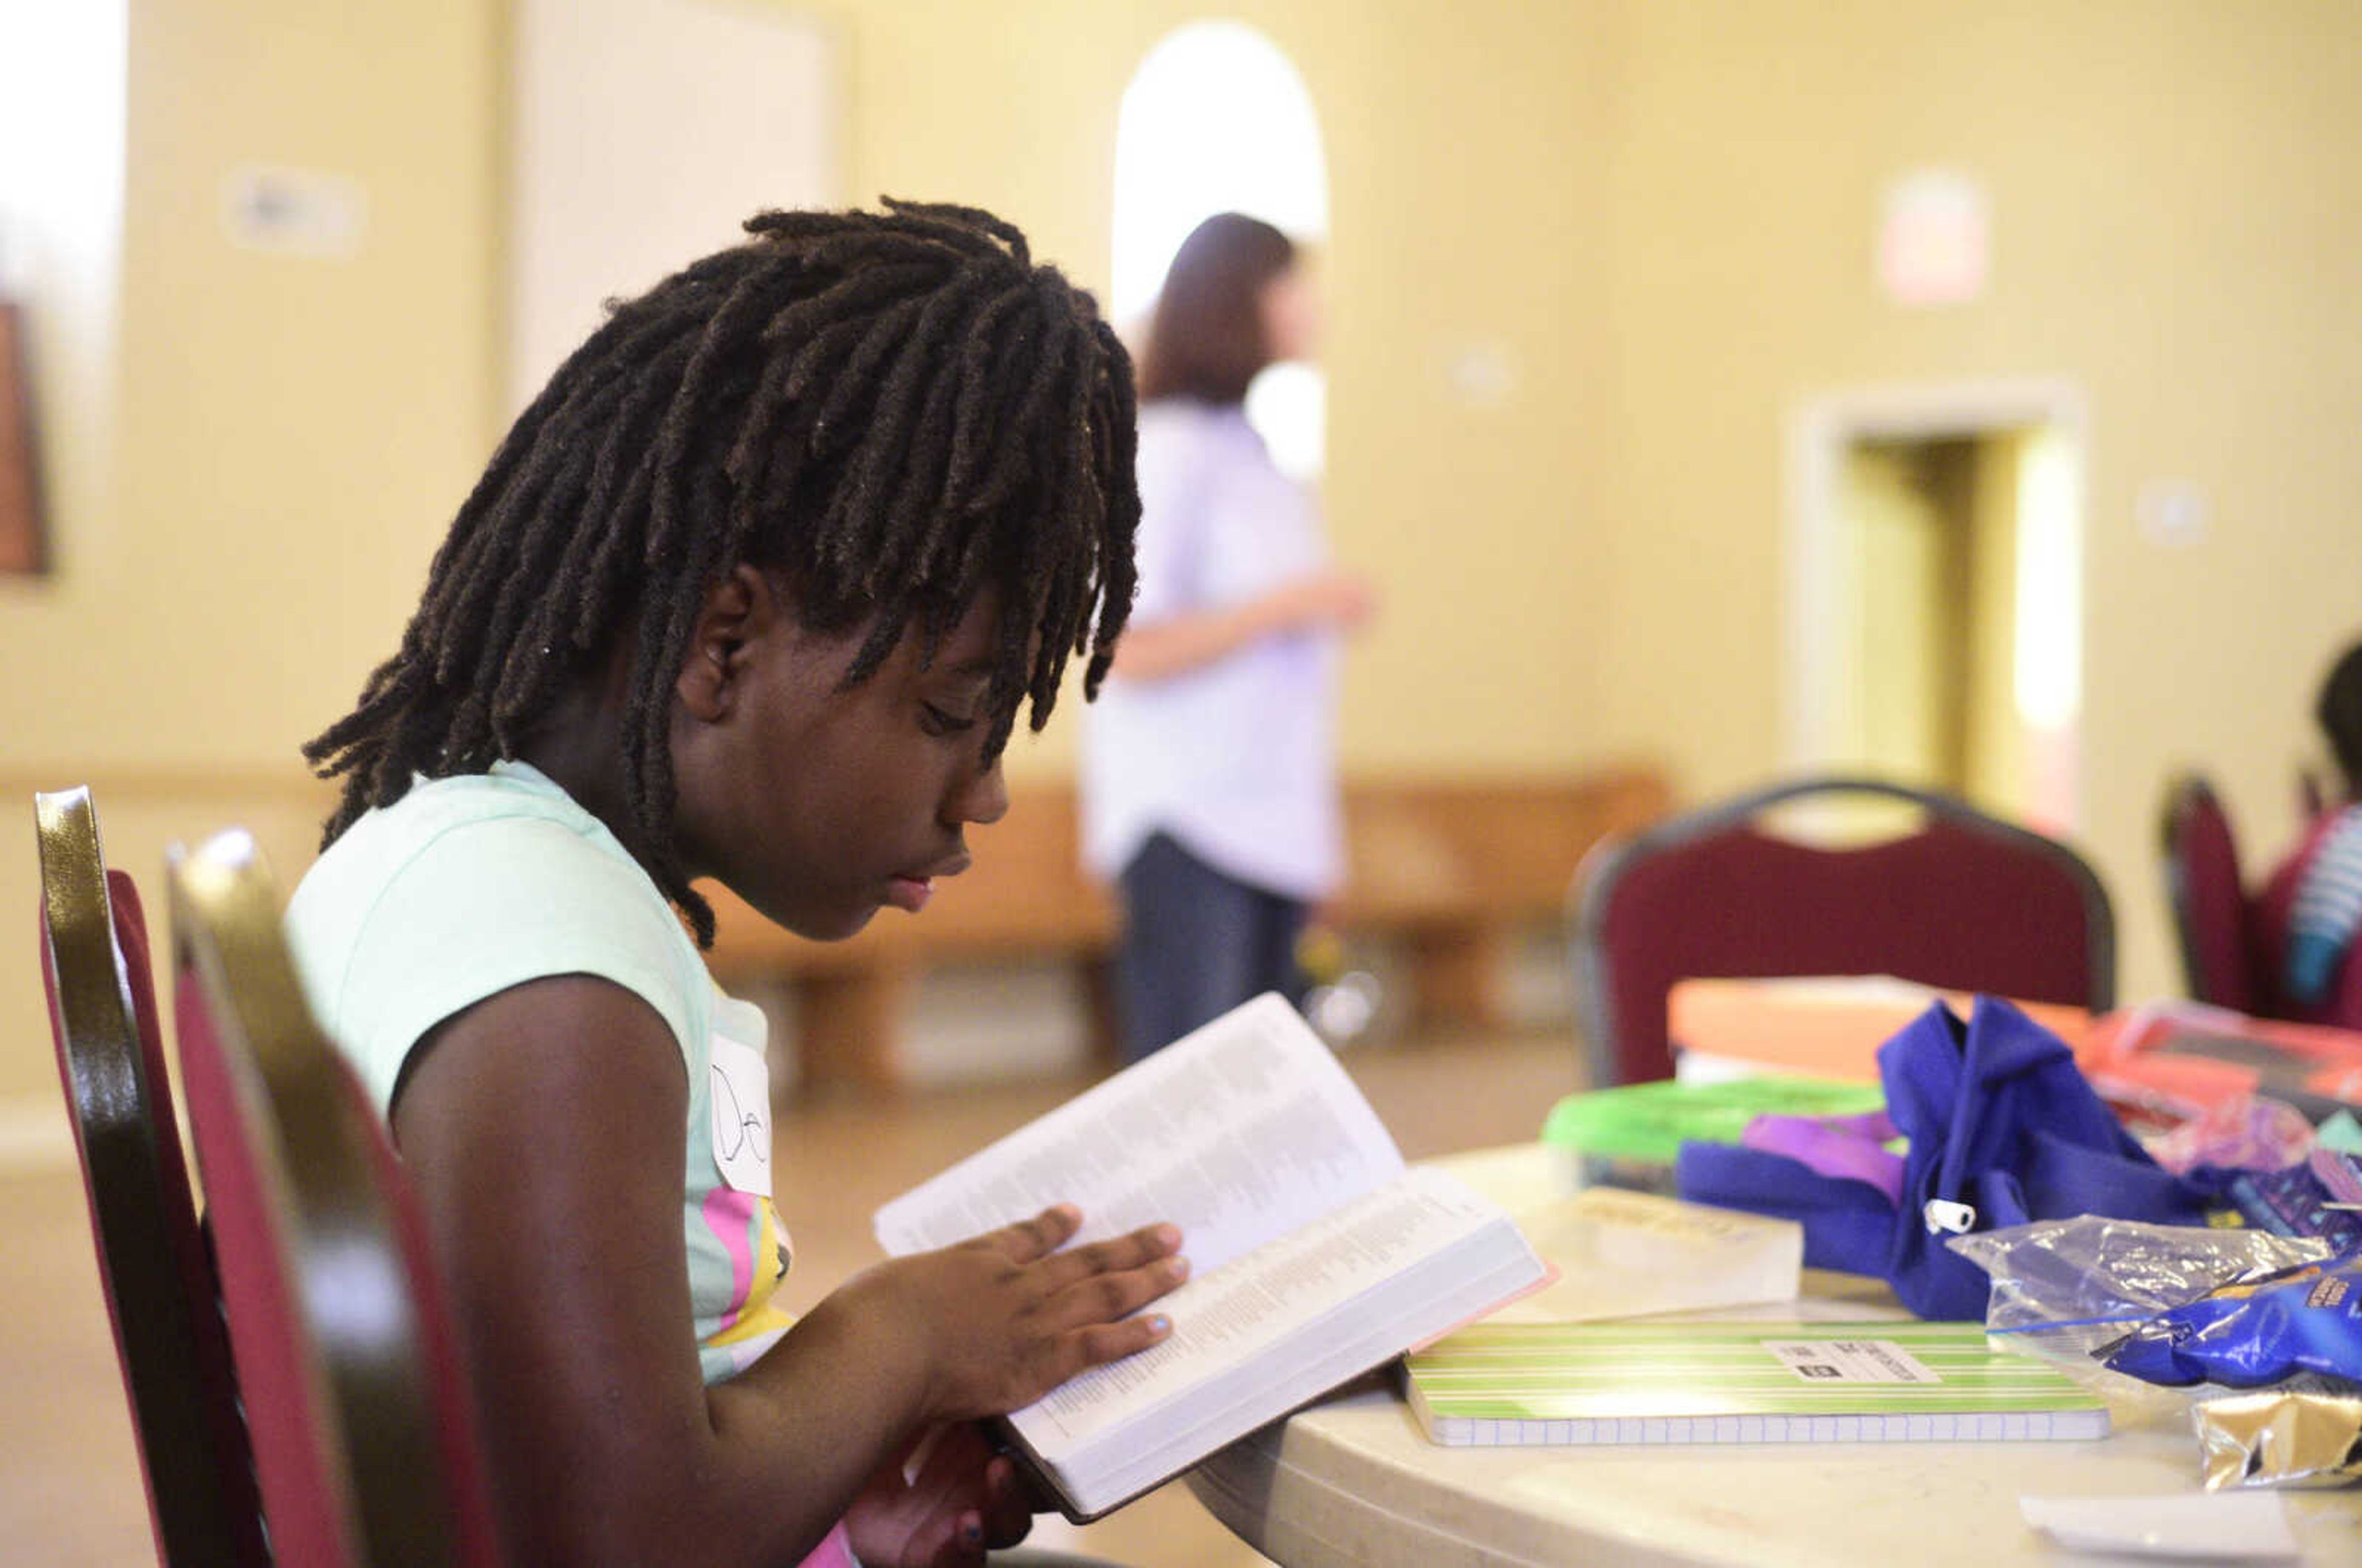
[308, 1136]
[168, 1338]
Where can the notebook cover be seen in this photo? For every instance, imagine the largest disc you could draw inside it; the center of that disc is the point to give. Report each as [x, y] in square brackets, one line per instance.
[1740, 1382]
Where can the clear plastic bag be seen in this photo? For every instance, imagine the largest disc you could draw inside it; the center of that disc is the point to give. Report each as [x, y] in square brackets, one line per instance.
[2063, 1288]
[2055, 1273]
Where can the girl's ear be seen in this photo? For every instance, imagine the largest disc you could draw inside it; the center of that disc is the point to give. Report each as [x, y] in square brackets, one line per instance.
[740, 610]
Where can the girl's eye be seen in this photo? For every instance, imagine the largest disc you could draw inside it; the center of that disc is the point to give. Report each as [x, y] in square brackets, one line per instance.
[936, 722]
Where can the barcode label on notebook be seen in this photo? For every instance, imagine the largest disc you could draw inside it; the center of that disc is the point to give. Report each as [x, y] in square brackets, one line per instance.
[1849, 1361]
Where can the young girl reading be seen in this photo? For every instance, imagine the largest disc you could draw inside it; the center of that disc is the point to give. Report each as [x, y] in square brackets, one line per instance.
[755, 591]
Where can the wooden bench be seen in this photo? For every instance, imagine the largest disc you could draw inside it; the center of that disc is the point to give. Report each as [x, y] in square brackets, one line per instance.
[1453, 870]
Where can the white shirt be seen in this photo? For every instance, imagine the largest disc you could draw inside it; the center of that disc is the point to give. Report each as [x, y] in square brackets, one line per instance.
[1234, 759]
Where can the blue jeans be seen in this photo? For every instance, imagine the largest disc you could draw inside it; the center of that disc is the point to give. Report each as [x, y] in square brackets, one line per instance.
[1195, 943]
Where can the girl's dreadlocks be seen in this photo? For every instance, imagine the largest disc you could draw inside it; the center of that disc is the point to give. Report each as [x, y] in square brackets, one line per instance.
[899, 411]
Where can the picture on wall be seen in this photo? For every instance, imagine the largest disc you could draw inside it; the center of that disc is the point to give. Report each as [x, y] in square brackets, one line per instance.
[22, 535]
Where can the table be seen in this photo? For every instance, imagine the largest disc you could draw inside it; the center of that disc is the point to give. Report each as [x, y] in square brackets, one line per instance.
[1352, 1481]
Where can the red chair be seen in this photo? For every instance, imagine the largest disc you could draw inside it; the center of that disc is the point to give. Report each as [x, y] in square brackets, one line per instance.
[153, 1261]
[2234, 939]
[2213, 916]
[363, 1435]
[1965, 902]
[2270, 911]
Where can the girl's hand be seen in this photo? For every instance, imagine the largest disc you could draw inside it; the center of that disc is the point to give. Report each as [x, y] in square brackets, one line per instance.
[962, 1500]
[1000, 1321]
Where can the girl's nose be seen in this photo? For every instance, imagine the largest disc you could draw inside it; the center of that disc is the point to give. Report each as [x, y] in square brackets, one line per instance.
[984, 799]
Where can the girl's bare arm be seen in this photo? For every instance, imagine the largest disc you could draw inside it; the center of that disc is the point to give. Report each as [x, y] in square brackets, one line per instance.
[544, 1129]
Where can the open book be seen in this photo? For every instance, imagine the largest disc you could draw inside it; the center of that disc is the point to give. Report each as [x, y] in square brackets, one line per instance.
[1315, 1254]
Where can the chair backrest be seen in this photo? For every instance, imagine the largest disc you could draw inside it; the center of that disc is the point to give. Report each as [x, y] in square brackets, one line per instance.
[153, 1261]
[2210, 902]
[1966, 902]
[364, 1438]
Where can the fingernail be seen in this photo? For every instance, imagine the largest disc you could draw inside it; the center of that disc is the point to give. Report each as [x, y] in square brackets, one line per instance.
[1160, 1324]
[1168, 1235]
[1177, 1267]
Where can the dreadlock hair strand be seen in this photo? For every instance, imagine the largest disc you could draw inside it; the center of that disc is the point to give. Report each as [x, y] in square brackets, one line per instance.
[897, 411]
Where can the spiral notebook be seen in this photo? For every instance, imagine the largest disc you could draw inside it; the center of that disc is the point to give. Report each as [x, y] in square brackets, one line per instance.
[1740, 1382]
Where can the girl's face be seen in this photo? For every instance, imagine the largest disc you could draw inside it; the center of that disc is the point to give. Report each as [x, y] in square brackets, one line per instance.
[1290, 308]
[816, 804]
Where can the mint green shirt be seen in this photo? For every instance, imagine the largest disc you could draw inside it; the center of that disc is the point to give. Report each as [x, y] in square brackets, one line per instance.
[470, 885]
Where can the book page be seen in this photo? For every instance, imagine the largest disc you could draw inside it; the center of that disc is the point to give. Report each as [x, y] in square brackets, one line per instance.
[1237, 1133]
[1224, 1317]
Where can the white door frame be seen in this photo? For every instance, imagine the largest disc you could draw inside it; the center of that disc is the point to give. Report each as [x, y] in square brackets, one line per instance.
[1819, 431]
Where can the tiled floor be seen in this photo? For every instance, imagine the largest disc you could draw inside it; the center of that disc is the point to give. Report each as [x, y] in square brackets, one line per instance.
[69, 1486]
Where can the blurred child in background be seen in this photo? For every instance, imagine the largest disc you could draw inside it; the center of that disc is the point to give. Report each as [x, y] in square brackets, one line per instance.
[2325, 904]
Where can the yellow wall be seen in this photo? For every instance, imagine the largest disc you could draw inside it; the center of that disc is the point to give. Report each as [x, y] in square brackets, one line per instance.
[288, 439]
[293, 433]
[2177, 231]
[296, 434]
[1658, 210]
[1467, 155]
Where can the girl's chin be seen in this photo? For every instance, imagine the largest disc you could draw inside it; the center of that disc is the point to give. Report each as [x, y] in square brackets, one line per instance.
[823, 923]
[836, 927]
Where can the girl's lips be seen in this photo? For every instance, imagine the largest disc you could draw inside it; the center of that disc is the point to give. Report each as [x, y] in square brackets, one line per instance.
[909, 893]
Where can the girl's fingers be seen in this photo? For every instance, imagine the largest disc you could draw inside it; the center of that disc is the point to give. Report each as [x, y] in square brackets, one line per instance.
[1008, 1506]
[1103, 1297]
[960, 1449]
[1028, 1239]
[952, 1487]
[966, 1476]
[1135, 1250]
[950, 1538]
[1104, 1342]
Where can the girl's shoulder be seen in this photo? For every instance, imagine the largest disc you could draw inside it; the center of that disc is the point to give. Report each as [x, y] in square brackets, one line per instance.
[468, 886]
[475, 822]
[510, 828]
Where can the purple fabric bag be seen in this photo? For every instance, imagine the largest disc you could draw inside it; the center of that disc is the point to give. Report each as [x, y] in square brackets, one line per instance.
[2002, 1129]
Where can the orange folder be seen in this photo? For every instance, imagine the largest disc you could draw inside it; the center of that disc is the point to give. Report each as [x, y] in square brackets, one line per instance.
[1828, 1026]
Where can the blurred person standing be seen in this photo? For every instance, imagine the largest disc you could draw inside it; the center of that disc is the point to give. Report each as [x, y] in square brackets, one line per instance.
[1209, 778]
[2319, 885]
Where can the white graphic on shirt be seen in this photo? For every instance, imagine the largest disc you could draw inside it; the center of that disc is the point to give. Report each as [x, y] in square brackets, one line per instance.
[741, 1085]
